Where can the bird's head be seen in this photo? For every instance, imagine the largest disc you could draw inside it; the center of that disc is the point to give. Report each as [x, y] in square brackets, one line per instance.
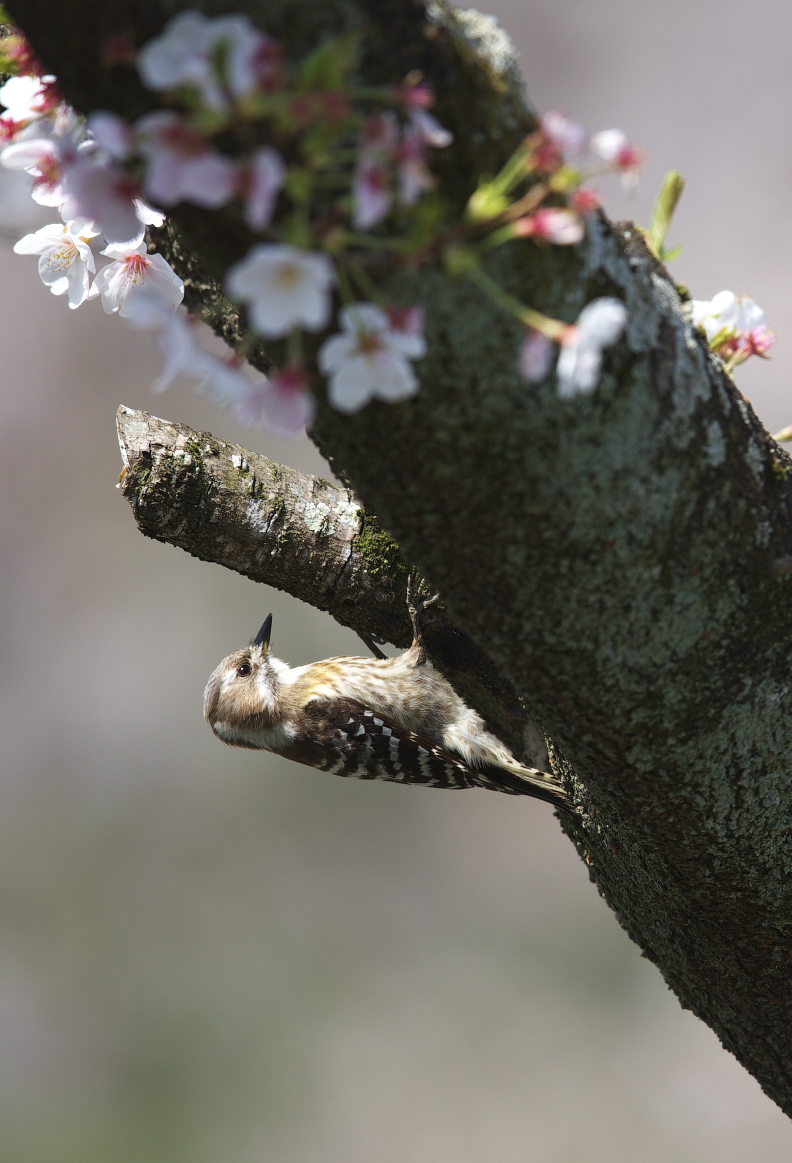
[241, 700]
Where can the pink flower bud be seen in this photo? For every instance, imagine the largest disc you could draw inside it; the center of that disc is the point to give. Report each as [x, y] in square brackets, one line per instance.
[585, 200]
[561, 227]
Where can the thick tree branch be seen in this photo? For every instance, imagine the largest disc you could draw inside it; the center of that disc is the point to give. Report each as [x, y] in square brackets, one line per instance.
[223, 503]
[622, 556]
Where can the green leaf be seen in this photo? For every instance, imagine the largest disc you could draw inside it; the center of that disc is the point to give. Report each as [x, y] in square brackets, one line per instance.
[670, 255]
[666, 204]
[330, 66]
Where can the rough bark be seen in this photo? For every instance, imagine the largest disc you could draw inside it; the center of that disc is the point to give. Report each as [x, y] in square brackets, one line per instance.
[299, 533]
[623, 557]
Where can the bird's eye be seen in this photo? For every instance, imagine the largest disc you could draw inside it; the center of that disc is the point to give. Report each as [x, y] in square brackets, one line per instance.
[244, 670]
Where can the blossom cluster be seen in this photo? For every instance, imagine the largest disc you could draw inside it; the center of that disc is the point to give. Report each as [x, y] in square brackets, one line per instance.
[335, 180]
[225, 75]
[735, 327]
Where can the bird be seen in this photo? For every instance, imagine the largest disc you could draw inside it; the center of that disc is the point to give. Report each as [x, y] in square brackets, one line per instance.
[395, 719]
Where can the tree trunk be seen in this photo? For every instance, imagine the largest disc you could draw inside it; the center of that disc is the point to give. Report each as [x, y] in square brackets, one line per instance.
[623, 559]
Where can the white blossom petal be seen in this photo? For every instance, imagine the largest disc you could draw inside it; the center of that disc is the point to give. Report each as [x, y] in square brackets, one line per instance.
[208, 180]
[23, 97]
[111, 134]
[182, 354]
[369, 360]
[567, 136]
[134, 273]
[29, 154]
[265, 179]
[283, 403]
[181, 164]
[599, 325]
[178, 56]
[104, 196]
[186, 53]
[561, 227]
[147, 214]
[363, 317]
[609, 144]
[44, 157]
[372, 197]
[429, 129]
[65, 261]
[284, 287]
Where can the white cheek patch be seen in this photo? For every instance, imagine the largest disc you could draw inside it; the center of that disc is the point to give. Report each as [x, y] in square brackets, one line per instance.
[225, 731]
[264, 690]
[266, 739]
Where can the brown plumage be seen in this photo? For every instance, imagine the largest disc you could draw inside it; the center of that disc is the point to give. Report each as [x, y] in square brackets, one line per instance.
[396, 719]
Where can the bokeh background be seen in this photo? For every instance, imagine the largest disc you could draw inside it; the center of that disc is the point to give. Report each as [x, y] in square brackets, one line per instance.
[209, 956]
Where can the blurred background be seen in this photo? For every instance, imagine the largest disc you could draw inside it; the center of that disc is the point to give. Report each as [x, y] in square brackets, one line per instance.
[211, 956]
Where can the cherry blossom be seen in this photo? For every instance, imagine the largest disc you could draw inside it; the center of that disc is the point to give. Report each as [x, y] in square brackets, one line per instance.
[567, 136]
[105, 196]
[369, 359]
[111, 134]
[549, 224]
[284, 287]
[372, 193]
[190, 50]
[65, 260]
[372, 189]
[536, 355]
[612, 146]
[261, 184]
[183, 356]
[429, 129]
[408, 323]
[46, 159]
[415, 177]
[735, 327]
[759, 341]
[182, 166]
[133, 273]
[726, 312]
[283, 402]
[599, 325]
[224, 380]
[27, 98]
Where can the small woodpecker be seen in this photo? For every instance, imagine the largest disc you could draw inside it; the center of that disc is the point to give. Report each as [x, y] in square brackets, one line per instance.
[395, 719]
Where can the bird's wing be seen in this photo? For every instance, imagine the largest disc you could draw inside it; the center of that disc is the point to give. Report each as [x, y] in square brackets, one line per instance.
[344, 737]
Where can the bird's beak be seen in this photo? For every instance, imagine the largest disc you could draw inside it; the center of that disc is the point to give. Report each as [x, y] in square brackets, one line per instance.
[262, 639]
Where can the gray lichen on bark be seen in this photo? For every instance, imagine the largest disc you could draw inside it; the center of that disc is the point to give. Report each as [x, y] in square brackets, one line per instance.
[620, 556]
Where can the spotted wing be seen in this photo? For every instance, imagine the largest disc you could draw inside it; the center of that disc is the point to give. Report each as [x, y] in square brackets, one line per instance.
[343, 737]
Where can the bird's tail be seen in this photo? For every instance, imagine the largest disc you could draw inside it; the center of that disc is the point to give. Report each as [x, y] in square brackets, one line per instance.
[524, 781]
